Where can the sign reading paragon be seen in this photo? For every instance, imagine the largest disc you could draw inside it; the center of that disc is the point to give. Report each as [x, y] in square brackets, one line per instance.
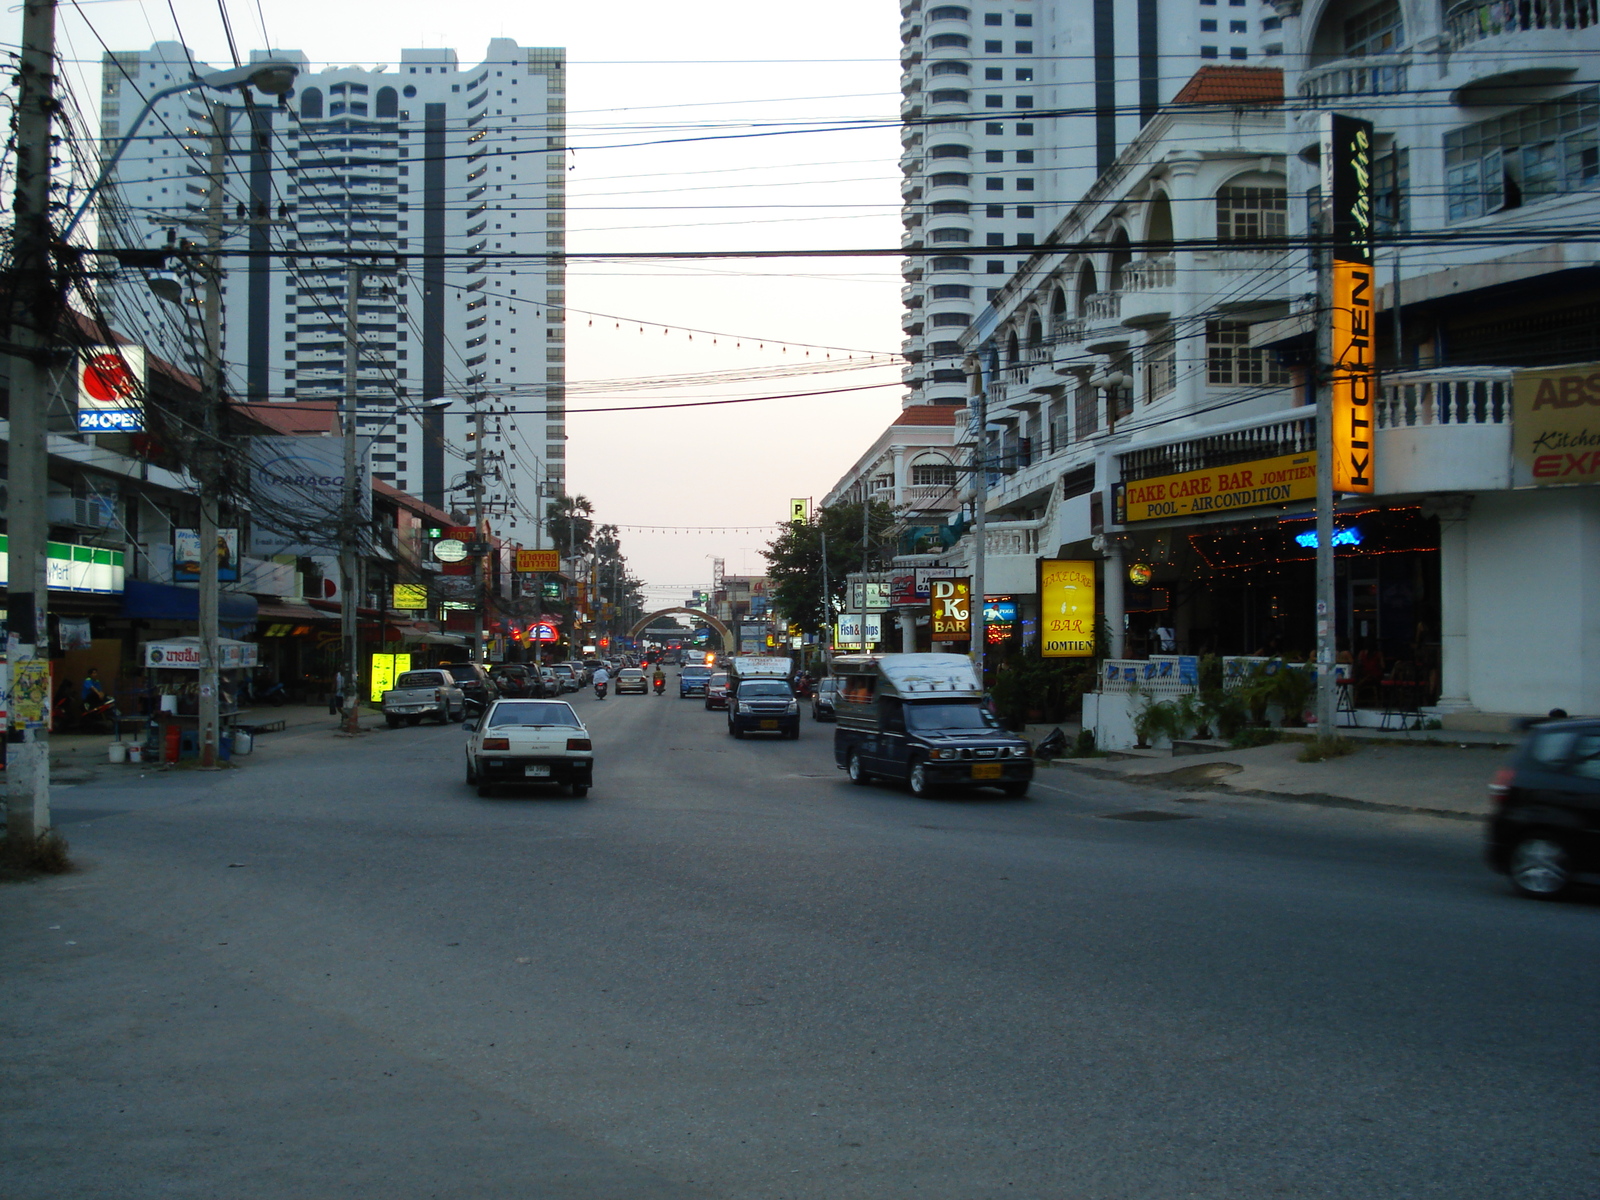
[1555, 430]
[538, 560]
[1280, 480]
[951, 601]
[1066, 608]
[1347, 182]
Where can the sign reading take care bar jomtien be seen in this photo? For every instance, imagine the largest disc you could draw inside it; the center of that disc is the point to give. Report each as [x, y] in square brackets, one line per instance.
[1555, 431]
[1218, 489]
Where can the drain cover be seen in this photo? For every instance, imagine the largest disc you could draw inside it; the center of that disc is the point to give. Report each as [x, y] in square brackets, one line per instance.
[1148, 814]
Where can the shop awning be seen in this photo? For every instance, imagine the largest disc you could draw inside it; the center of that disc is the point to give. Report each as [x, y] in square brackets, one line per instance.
[146, 601]
[288, 611]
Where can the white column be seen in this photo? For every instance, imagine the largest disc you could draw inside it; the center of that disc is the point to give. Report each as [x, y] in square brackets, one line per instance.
[1455, 689]
[908, 632]
[1116, 617]
[899, 476]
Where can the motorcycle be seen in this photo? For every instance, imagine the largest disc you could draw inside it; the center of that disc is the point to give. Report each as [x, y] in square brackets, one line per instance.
[600, 690]
[274, 694]
[661, 686]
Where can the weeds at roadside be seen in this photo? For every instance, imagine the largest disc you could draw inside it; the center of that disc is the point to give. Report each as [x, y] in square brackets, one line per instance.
[49, 856]
[1322, 749]
[1252, 736]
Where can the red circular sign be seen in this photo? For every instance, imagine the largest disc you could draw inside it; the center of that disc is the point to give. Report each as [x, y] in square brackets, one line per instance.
[107, 377]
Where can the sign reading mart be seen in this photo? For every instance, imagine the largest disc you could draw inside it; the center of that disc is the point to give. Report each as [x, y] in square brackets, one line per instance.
[1280, 480]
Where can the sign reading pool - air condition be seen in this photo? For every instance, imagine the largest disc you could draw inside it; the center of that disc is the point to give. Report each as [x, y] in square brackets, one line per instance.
[1278, 480]
[1066, 608]
[111, 380]
[531, 561]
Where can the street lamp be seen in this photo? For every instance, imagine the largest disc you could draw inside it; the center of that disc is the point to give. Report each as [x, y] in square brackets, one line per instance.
[274, 77]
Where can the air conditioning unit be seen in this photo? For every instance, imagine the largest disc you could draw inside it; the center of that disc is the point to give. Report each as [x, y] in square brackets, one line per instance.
[93, 512]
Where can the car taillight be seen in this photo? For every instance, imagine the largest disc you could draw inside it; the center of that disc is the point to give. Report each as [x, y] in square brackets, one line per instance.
[1500, 785]
[438, 693]
[497, 743]
[578, 744]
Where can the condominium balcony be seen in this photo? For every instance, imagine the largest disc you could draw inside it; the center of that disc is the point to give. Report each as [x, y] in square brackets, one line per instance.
[1444, 430]
[911, 107]
[1102, 322]
[1067, 346]
[1377, 75]
[1477, 20]
[1515, 44]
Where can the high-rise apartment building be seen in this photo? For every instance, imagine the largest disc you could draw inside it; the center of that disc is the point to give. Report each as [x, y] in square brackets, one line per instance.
[446, 183]
[1012, 109]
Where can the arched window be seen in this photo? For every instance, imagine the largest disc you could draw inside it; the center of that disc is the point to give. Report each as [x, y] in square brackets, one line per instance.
[1251, 207]
[934, 470]
[388, 103]
[1012, 355]
[1087, 286]
[1058, 306]
[1158, 227]
[311, 103]
[1035, 332]
[1121, 256]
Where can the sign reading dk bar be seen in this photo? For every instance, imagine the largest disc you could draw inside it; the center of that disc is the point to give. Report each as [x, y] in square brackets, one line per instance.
[1280, 480]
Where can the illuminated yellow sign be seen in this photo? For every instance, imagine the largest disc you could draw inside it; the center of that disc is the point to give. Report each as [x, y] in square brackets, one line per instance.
[798, 510]
[386, 668]
[410, 596]
[1066, 608]
[1278, 480]
[951, 600]
[1355, 378]
[530, 561]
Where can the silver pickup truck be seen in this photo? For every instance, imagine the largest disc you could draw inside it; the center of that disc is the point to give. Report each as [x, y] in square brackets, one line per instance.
[430, 692]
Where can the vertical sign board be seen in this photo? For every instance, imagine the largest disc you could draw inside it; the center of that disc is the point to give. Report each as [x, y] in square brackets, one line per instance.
[1347, 190]
[111, 384]
[1066, 608]
[386, 668]
[799, 510]
[951, 601]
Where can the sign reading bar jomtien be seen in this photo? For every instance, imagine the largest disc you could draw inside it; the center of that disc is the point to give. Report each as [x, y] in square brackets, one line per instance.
[1281, 480]
[1066, 608]
[538, 560]
[1555, 430]
[951, 603]
[1347, 186]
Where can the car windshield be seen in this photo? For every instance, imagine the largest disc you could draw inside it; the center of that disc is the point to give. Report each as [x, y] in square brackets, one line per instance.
[697, 672]
[418, 679]
[532, 712]
[763, 687]
[461, 672]
[720, 679]
[928, 717]
[563, 669]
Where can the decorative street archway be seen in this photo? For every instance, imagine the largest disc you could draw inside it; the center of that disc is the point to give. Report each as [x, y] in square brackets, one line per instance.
[722, 630]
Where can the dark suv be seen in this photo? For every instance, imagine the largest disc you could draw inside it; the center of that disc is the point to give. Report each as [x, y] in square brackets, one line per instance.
[1544, 831]
[474, 683]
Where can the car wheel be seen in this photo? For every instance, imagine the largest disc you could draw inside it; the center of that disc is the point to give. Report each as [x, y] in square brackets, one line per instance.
[393, 721]
[1539, 868]
[578, 790]
[1016, 789]
[444, 713]
[472, 776]
[858, 773]
[921, 786]
[793, 734]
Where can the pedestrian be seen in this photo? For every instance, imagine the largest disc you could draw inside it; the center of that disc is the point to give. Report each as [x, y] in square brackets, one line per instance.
[336, 700]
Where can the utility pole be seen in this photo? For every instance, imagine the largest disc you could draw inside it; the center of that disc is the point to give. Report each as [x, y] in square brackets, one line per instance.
[206, 453]
[350, 519]
[479, 576]
[1321, 370]
[980, 516]
[34, 307]
[827, 596]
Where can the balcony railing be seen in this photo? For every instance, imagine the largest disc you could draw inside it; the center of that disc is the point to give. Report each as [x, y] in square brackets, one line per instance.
[1467, 396]
[1103, 306]
[1018, 539]
[1379, 75]
[1472, 21]
[1148, 273]
[1285, 435]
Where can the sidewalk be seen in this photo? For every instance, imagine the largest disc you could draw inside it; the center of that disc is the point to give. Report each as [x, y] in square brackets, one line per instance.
[1447, 778]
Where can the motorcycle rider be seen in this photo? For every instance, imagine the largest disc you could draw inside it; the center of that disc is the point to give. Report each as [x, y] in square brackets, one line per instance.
[601, 678]
[659, 680]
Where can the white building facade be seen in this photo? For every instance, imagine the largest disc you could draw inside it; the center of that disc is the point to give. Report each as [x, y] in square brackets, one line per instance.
[447, 182]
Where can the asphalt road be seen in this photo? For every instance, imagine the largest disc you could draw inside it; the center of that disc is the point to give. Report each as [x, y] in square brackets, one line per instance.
[729, 973]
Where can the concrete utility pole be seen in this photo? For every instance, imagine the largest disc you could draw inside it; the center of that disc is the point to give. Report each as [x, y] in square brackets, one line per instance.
[1321, 368]
[980, 517]
[34, 305]
[480, 585]
[207, 451]
[827, 597]
[350, 518]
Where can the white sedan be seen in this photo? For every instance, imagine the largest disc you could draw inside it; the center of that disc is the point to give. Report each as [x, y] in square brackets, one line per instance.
[529, 741]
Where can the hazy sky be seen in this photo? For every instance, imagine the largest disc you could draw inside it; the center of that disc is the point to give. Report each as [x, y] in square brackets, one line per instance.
[642, 77]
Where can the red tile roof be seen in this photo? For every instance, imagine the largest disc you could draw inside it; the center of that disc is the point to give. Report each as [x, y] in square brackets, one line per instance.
[407, 500]
[294, 416]
[1233, 85]
[930, 414]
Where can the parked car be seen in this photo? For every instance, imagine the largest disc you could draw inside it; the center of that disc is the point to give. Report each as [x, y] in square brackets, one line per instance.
[692, 681]
[428, 692]
[1544, 827]
[549, 682]
[632, 679]
[717, 690]
[476, 686]
[512, 680]
[529, 741]
[823, 696]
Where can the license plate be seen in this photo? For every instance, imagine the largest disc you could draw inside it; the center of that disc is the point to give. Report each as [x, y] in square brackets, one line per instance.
[986, 770]
[541, 772]
[769, 724]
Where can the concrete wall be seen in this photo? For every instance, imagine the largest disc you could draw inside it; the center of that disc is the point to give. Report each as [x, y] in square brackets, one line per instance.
[1443, 458]
[1533, 600]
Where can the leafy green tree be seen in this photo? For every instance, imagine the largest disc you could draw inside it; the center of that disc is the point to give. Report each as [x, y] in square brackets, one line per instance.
[794, 558]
